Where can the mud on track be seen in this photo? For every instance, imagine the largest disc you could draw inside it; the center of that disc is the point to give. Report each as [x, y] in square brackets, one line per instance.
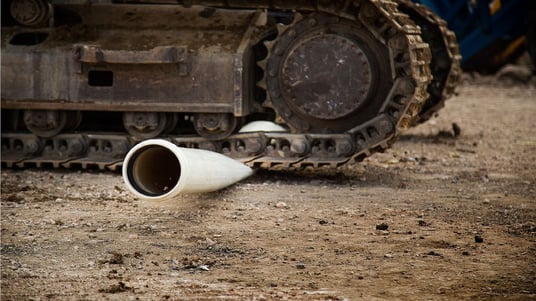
[437, 217]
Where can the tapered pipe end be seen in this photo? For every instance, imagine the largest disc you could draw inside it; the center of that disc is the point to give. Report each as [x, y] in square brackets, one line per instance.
[159, 170]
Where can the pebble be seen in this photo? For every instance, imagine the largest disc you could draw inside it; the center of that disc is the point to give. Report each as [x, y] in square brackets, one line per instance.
[515, 73]
[382, 226]
[115, 258]
[281, 205]
[300, 266]
[423, 223]
[456, 129]
[434, 253]
[479, 239]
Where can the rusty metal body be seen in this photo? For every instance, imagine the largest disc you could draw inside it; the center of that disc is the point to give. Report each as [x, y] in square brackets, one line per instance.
[132, 58]
[345, 77]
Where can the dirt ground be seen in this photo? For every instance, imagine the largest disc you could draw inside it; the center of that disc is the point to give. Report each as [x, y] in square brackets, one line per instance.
[437, 217]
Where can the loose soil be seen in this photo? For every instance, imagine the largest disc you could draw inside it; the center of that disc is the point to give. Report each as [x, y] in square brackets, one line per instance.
[440, 216]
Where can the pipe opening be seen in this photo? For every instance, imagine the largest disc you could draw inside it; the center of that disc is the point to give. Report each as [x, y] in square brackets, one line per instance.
[154, 170]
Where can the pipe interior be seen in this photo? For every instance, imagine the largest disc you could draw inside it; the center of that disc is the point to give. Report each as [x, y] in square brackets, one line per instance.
[154, 171]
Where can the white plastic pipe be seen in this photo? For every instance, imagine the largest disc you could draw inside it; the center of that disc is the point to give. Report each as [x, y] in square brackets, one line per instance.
[157, 170]
[262, 126]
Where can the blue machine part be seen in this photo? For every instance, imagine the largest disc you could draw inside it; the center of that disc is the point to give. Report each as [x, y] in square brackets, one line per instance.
[482, 24]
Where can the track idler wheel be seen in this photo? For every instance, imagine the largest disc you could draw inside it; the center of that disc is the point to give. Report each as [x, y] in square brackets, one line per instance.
[146, 125]
[49, 123]
[215, 126]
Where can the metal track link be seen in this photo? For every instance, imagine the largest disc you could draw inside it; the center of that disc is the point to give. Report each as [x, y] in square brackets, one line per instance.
[446, 58]
[410, 58]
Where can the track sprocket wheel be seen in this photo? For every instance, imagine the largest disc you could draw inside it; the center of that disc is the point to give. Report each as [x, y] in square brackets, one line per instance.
[326, 74]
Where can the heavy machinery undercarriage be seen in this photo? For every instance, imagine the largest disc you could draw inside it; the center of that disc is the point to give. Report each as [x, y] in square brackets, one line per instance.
[83, 83]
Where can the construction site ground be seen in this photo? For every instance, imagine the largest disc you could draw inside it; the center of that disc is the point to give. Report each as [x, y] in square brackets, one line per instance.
[449, 213]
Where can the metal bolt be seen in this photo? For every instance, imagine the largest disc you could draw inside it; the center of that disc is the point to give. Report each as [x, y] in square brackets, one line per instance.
[291, 33]
[344, 148]
[31, 147]
[299, 147]
[75, 148]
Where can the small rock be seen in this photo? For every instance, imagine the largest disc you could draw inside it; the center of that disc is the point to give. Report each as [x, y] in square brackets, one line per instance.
[300, 266]
[479, 239]
[456, 129]
[281, 205]
[434, 253]
[515, 74]
[116, 288]
[116, 258]
[423, 223]
[465, 253]
[393, 161]
[487, 201]
[388, 255]
[382, 226]
[408, 159]
[210, 242]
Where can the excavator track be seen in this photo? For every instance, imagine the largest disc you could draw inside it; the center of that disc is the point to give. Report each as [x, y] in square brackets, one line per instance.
[306, 144]
[446, 59]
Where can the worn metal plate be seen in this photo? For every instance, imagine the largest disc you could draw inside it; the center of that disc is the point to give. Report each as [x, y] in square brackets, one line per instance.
[132, 58]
